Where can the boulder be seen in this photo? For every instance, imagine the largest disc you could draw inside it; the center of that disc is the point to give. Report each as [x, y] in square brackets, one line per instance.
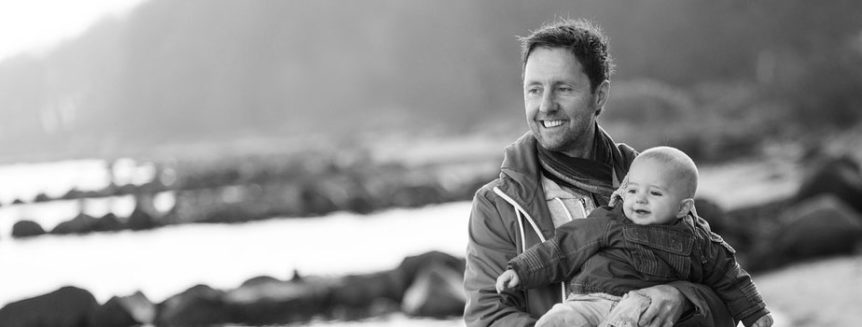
[72, 194]
[259, 280]
[141, 220]
[820, 226]
[26, 228]
[132, 310]
[199, 305]
[81, 224]
[359, 291]
[436, 292]
[66, 307]
[41, 197]
[108, 223]
[411, 266]
[838, 176]
[713, 213]
[417, 195]
[314, 201]
[266, 301]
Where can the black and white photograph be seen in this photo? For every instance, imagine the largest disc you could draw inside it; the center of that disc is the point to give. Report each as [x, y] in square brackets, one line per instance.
[441, 163]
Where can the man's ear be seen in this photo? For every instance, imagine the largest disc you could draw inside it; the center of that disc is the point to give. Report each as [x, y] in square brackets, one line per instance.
[603, 91]
[685, 207]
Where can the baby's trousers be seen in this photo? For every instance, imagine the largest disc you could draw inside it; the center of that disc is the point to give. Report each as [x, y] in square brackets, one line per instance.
[595, 310]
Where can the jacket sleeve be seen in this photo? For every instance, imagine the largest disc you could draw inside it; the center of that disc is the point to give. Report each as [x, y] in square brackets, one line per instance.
[732, 284]
[489, 247]
[561, 257]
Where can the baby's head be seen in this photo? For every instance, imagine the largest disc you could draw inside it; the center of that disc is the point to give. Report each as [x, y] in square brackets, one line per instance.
[660, 186]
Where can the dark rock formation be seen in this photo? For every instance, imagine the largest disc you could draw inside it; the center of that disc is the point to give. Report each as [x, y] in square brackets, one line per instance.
[108, 223]
[817, 227]
[200, 305]
[133, 310]
[141, 220]
[436, 292]
[714, 215]
[264, 301]
[838, 176]
[26, 228]
[81, 224]
[41, 197]
[66, 307]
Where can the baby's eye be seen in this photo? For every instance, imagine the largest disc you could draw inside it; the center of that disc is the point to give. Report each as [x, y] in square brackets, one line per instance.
[630, 191]
[654, 193]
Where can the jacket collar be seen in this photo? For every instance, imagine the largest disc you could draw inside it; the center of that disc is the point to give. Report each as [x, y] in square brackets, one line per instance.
[521, 176]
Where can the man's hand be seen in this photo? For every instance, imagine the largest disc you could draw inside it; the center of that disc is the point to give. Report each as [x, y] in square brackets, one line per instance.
[666, 307]
[508, 279]
[765, 321]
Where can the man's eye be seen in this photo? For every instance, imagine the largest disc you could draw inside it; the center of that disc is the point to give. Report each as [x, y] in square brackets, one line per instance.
[533, 91]
[565, 89]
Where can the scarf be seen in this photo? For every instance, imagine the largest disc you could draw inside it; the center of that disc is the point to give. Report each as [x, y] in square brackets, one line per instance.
[595, 175]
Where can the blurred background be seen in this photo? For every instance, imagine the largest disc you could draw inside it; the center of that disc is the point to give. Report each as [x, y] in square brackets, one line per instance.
[311, 161]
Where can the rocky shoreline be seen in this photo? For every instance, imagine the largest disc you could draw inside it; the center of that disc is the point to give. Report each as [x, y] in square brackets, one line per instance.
[426, 285]
[249, 189]
[823, 218]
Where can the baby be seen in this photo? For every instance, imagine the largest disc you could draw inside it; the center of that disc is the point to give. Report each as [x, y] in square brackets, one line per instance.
[651, 239]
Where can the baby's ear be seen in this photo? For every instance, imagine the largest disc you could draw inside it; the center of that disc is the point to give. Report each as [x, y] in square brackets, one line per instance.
[685, 207]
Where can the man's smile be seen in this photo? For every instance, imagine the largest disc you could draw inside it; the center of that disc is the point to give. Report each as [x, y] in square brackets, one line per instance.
[551, 123]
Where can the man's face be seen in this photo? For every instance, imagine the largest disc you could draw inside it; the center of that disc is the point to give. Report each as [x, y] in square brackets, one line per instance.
[561, 109]
[651, 196]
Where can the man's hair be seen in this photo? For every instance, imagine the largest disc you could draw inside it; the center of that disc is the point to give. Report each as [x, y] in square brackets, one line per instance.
[582, 38]
[680, 166]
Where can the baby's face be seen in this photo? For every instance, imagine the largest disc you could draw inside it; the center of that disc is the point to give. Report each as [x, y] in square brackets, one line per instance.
[651, 195]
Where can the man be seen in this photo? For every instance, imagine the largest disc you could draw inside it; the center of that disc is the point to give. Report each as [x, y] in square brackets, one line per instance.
[560, 170]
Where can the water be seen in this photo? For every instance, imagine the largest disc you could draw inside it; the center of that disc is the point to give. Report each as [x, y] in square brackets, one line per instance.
[165, 261]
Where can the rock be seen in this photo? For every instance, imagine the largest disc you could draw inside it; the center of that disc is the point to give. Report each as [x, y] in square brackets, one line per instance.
[714, 214]
[199, 305]
[839, 176]
[26, 228]
[41, 197]
[259, 280]
[436, 292]
[108, 223]
[417, 195]
[141, 220]
[359, 291]
[72, 194]
[265, 301]
[66, 307]
[817, 227]
[315, 202]
[81, 224]
[411, 266]
[133, 310]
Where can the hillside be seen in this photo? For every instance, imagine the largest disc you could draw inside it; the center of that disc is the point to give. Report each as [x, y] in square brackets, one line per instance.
[220, 72]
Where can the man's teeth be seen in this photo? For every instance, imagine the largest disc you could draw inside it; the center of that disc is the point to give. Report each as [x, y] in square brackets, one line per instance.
[552, 123]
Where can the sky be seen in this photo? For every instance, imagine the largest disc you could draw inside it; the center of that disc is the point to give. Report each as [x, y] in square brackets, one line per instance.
[34, 26]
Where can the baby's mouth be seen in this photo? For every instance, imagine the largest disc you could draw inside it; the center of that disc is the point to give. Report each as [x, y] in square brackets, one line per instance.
[642, 212]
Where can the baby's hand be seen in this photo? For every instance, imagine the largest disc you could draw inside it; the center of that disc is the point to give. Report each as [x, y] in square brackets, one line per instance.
[765, 321]
[508, 279]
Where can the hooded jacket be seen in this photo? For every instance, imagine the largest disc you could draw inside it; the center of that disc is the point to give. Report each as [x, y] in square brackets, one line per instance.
[509, 215]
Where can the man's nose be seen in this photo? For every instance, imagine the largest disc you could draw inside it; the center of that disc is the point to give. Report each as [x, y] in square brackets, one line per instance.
[548, 103]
